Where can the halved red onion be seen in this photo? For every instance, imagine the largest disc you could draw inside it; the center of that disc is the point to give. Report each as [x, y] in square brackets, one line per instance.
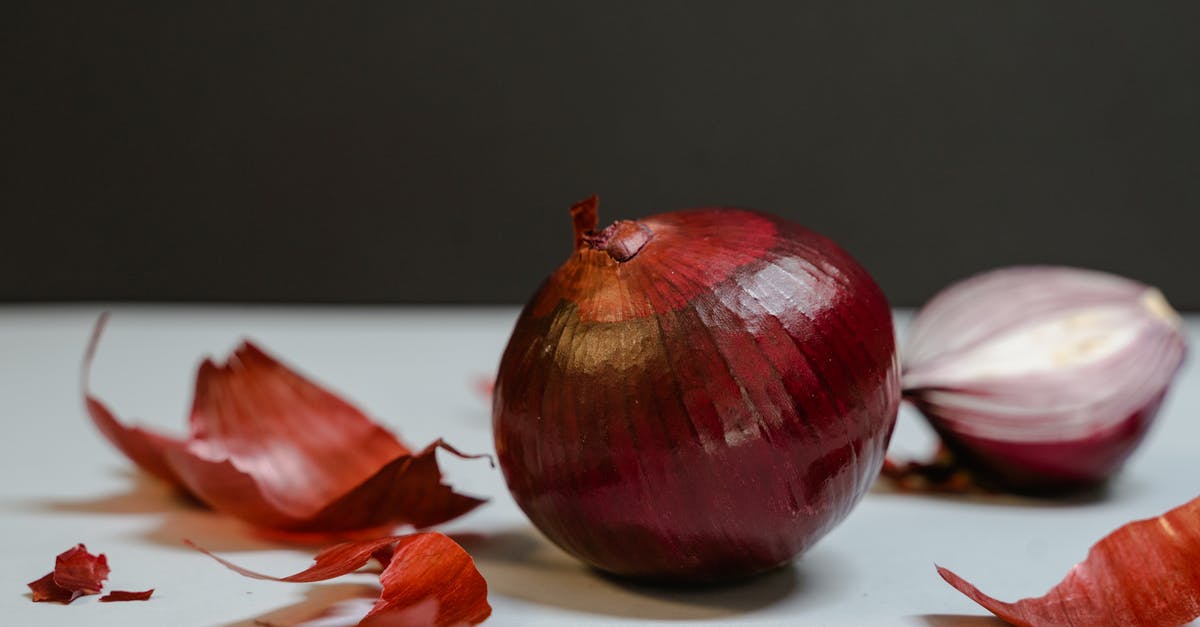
[1043, 378]
[1144, 574]
[276, 450]
[696, 395]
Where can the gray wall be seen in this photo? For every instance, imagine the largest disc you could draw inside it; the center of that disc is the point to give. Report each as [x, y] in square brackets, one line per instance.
[427, 151]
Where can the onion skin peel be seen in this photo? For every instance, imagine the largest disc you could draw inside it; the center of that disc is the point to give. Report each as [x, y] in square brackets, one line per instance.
[1143, 574]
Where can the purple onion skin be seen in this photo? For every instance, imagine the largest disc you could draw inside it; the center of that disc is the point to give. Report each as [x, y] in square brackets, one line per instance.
[704, 409]
[1050, 468]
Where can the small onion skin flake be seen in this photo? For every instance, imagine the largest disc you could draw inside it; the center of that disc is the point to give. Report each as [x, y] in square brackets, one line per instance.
[697, 395]
[1144, 574]
[1043, 379]
[126, 595]
[427, 579]
[273, 449]
[76, 573]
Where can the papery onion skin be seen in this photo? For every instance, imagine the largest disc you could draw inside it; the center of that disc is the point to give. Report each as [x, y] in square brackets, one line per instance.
[1143, 574]
[274, 449]
[697, 395]
[1047, 431]
[427, 579]
[76, 573]
[117, 596]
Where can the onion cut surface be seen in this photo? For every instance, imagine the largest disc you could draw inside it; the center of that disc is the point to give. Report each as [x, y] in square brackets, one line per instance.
[273, 449]
[427, 579]
[1043, 378]
[1144, 574]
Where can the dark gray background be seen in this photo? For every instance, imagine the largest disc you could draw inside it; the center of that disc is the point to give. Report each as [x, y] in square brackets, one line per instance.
[428, 151]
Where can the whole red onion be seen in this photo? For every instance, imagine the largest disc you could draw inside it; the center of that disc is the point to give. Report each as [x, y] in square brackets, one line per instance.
[695, 396]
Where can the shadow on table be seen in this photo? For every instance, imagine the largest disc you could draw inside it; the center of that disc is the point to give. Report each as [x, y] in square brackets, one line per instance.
[960, 620]
[521, 564]
[517, 563]
[326, 605]
[1092, 496]
[178, 516]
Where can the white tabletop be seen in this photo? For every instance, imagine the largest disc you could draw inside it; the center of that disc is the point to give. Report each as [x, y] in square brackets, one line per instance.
[413, 370]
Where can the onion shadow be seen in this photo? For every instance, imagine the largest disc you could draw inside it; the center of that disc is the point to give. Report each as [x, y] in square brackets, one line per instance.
[324, 605]
[521, 564]
[1097, 495]
[213, 531]
[146, 495]
[960, 620]
[176, 514]
[179, 515]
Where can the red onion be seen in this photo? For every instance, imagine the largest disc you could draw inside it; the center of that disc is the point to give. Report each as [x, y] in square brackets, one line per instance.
[697, 395]
[1043, 378]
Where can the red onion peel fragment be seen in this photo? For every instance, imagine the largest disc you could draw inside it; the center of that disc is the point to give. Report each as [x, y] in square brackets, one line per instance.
[126, 595]
[428, 579]
[1144, 574]
[76, 573]
[696, 395]
[1043, 379]
[274, 449]
[940, 475]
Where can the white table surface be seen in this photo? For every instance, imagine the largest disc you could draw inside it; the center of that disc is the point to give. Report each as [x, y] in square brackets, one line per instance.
[412, 369]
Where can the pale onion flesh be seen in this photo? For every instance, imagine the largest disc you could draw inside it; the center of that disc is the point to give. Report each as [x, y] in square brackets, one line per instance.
[1043, 378]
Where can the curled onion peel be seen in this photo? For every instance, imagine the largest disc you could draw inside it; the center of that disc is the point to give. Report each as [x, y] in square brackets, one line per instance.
[127, 595]
[697, 395]
[1043, 378]
[1144, 574]
[79, 573]
[427, 579]
[272, 448]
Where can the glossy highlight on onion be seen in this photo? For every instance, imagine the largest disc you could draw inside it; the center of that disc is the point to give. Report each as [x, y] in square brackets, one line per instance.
[1043, 379]
[695, 396]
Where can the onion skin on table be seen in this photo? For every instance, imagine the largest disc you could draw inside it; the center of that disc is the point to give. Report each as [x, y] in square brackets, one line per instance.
[1144, 574]
[118, 596]
[1043, 379]
[697, 395]
[427, 580]
[274, 449]
[76, 573]
[79, 573]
